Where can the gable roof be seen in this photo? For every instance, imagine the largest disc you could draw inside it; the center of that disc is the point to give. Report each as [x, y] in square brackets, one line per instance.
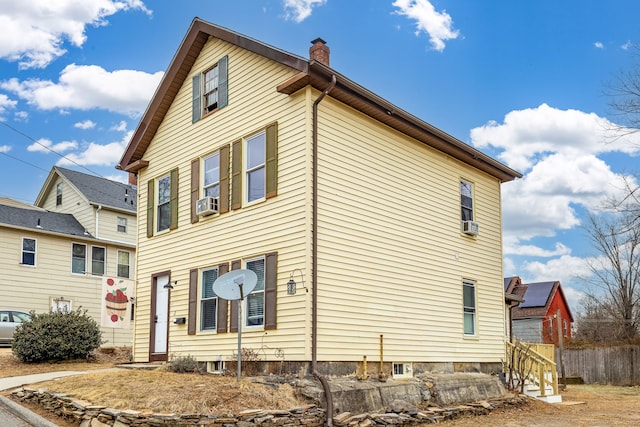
[41, 220]
[538, 298]
[311, 73]
[96, 190]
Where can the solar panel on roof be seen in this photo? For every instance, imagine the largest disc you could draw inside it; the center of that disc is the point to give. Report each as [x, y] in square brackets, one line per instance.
[537, 294]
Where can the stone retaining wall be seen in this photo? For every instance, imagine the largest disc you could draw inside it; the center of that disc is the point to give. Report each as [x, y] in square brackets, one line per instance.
[86, 414]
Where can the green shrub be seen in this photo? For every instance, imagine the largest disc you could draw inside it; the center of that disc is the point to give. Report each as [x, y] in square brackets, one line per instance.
[56, 336]
[184, 364]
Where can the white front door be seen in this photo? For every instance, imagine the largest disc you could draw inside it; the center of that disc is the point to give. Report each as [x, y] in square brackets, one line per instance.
[161, 317]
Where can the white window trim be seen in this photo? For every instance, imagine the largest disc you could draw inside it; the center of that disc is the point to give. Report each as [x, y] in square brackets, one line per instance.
[156, 216]
[118, 263]
[35, 252]
[104, 262]
[201, 300]
[85, 258]
[205, 106]
[246, 170]
[472, 284]
[203, 185]
[473, 199]
[118, 225]
[245, 308]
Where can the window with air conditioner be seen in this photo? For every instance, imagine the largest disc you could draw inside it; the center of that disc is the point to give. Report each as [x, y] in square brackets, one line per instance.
[468, 226]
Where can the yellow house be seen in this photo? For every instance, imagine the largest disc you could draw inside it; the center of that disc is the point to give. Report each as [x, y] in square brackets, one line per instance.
[371, 232]
[55, 254]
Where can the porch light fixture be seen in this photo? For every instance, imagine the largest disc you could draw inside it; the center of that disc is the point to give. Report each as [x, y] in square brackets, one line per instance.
[168, 285]
[292, 285]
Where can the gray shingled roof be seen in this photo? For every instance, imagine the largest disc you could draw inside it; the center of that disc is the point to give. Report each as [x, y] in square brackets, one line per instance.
[102, 191]
[47, 221]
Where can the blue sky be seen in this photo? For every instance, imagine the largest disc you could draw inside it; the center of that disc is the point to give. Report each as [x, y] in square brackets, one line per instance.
[522, 81]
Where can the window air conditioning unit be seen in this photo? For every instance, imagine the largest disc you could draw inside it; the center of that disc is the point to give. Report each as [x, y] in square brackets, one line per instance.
[470, 227]
[207, 206]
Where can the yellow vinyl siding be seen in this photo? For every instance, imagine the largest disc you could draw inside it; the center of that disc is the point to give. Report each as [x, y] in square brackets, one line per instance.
[389, 234]
[31, 288]
[275, 225]
[108, 226]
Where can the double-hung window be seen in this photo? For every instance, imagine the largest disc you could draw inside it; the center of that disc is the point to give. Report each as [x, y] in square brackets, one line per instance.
[208, 300]
[98, 255]
[469, 304]
[162, 203]
[123, 264]
[254, 313]
[122, 225]
[59, 194]
[28, 251]
[211, 176]
[210, 90]
[255, 167]
[78, 258]
[466, 200]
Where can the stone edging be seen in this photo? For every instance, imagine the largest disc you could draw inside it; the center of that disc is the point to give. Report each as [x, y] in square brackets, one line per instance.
[85, 414]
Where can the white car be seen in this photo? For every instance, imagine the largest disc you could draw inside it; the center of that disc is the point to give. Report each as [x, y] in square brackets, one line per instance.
[9, 319]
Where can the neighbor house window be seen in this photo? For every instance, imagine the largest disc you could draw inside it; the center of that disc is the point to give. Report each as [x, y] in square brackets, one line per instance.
[59, 194]
[469, 303]
[208, 300]
[78, 258]
[254, 313]
[210, 90]
[98, 254]
[466, 200]
[122, 224]
[255, 165]
[162, 203]
[211, 176]
[123, 264]
[28, 251]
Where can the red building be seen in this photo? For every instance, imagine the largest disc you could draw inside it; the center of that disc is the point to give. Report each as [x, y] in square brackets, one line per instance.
[535, 319]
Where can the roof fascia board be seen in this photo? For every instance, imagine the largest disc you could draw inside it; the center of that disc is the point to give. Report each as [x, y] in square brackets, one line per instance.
[102, 206]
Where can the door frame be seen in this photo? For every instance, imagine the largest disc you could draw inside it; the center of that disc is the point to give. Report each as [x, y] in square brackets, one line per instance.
[158, 357]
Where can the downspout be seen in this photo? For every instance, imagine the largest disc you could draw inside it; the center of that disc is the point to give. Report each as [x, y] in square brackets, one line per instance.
[98, 220]
[314, 257]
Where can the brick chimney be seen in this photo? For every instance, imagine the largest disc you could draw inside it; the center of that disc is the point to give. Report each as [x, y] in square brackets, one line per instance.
[133, 179]
[319, 51]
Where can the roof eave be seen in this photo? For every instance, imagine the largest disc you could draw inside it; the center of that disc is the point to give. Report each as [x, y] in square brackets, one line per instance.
[356, 96]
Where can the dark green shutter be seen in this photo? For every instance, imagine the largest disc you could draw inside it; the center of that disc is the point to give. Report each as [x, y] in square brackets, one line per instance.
[193, 301]
[223, 87]
[195, 188]
[224, 179]
[270, 287]
[150, 206]
[196, 87]
[223, 305]
[233, 319]
[173, 203]
[272, 161]
[236, 175]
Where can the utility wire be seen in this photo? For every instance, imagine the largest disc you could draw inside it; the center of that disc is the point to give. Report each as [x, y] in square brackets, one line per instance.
[19, 132]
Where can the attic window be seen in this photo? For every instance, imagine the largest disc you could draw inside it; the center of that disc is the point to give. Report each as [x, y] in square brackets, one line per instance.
[210, 90]
[59, 194]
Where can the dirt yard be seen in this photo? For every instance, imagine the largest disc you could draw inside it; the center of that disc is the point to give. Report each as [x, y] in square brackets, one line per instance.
[583, 405]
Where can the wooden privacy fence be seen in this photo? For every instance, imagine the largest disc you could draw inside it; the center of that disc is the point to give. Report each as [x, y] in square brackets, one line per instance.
[603, 365]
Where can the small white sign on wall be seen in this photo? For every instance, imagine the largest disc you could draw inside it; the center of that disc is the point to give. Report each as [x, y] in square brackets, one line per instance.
[60, 305]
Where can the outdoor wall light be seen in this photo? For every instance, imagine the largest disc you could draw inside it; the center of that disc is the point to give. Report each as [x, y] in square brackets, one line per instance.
[168, 285]
[292, 285]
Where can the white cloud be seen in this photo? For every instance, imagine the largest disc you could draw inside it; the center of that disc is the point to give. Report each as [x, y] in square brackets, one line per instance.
[86, 124]
[21, 116]
[299, 10]
[599, 45]
[5, 148]
[87, 87]
[531, 250]
[6, 103]
[627, 45]
[97, 154]
[34, 31]
[438, 25]
[120, 127]
[47, 146]
[118, 178]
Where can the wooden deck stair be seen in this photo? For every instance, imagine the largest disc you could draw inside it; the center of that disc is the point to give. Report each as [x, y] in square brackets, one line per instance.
[529, 371]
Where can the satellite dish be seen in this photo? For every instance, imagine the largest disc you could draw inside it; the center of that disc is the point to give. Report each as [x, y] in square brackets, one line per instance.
[235, 284]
